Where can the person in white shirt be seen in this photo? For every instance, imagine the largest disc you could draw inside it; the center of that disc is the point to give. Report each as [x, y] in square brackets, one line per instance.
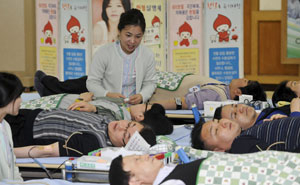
[125, 68]
[11, 89]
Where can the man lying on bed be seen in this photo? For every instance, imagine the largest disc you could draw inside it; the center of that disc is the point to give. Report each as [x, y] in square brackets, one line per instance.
[227, 136]
[246, 116]
[82, 131]
[216, 92]
[217, 169]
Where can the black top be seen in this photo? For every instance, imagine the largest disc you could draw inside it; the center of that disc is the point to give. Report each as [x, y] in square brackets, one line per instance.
[185, 172]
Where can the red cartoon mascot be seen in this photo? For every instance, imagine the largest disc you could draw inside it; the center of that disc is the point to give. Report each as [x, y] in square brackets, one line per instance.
[156, 23]
[48, 32]
[73, 27]
[185, 33]
[222, 25]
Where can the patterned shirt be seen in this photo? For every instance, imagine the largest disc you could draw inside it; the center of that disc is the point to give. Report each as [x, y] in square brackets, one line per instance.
[129, 72]
[60, 124]
[286, 130]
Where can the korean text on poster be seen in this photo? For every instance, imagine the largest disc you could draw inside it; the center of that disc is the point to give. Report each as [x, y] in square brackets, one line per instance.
[74, 63]
[224, 64]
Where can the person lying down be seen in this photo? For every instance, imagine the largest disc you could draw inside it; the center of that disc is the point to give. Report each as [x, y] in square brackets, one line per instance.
[70, 133]
[113, 107]
[267, 167]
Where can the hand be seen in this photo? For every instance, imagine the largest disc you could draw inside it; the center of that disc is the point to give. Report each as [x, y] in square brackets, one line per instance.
[135, 99]
[115, 95]
[87, 96]
[82, 106]
[275, 116]
[295, 105]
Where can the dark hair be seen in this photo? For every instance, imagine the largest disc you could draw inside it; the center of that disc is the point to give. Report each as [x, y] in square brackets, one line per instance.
[117, 176]
[156, 118]
[255, 89]
[125, 3]
[10, 88]
[283, 93]
[218, 113]
[195, 136]
[132, 17]
[148, 134]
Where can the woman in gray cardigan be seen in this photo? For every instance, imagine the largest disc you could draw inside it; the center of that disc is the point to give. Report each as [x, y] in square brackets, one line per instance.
[124, 69]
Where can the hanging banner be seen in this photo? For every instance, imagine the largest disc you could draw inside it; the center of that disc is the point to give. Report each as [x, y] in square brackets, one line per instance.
[223, 38]
[47, 36]
[154, 37]
[185, 36]
[75, 28]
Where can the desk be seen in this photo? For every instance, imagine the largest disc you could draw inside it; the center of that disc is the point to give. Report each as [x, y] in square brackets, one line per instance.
[34, 171]
[31, 170]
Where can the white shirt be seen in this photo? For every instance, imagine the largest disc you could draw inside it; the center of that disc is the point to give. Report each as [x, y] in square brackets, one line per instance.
[163, 173]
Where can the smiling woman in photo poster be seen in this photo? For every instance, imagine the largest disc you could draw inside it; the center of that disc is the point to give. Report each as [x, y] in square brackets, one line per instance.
[106, 15]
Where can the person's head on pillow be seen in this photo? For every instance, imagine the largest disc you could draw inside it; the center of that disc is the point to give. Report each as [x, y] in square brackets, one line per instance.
[134, 170]
[119, 132]
[215, 135]
[286, 91]
[156, 118]
[243, 86]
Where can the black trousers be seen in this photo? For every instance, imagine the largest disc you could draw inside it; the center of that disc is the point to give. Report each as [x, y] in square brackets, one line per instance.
[72, 86]
[22, 126]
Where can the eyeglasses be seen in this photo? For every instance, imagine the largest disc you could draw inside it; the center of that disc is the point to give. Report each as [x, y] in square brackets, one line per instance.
[126, 132]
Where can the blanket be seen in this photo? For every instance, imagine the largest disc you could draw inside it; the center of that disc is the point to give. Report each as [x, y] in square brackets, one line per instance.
[47, 102]
[170, 80]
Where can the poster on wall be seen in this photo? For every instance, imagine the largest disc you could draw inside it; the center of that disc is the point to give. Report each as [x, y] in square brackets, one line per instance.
[47, 36]
[290, 30]
[185, 36]
[105, 19]
[223, 38]
[154, 37]
[75, 38]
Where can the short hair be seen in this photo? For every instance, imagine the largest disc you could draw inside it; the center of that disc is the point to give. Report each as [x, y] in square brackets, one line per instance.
[132, 17]
[283, 93]
[195, 136]
[10, 88]
[255, 89]
[125, 3]
[156, 118]
[218, 113]
[148, 134]
[117, 176]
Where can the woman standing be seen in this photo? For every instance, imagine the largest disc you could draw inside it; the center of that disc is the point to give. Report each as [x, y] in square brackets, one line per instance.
[124, 69]
[10, 90]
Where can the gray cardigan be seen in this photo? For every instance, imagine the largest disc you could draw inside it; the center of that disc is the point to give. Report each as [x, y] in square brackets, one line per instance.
[106, 72]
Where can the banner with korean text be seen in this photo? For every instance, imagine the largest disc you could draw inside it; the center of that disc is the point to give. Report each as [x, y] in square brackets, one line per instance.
[223, 39]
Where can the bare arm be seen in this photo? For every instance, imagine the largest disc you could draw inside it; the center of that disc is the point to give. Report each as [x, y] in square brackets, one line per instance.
[37, 151]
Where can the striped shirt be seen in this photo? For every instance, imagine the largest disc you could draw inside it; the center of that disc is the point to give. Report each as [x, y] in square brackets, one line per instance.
[129, 72]
[286, 130]
[59, 124]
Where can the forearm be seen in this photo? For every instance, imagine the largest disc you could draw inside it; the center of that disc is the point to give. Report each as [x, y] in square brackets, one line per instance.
[37, 151]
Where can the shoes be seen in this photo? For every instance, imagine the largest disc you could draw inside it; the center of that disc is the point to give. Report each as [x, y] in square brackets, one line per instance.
[38, 85]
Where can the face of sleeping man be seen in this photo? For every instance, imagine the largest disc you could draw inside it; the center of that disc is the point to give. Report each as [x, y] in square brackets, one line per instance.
[119, 132]
[143, 168]
[242, 114]
[218, 135]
